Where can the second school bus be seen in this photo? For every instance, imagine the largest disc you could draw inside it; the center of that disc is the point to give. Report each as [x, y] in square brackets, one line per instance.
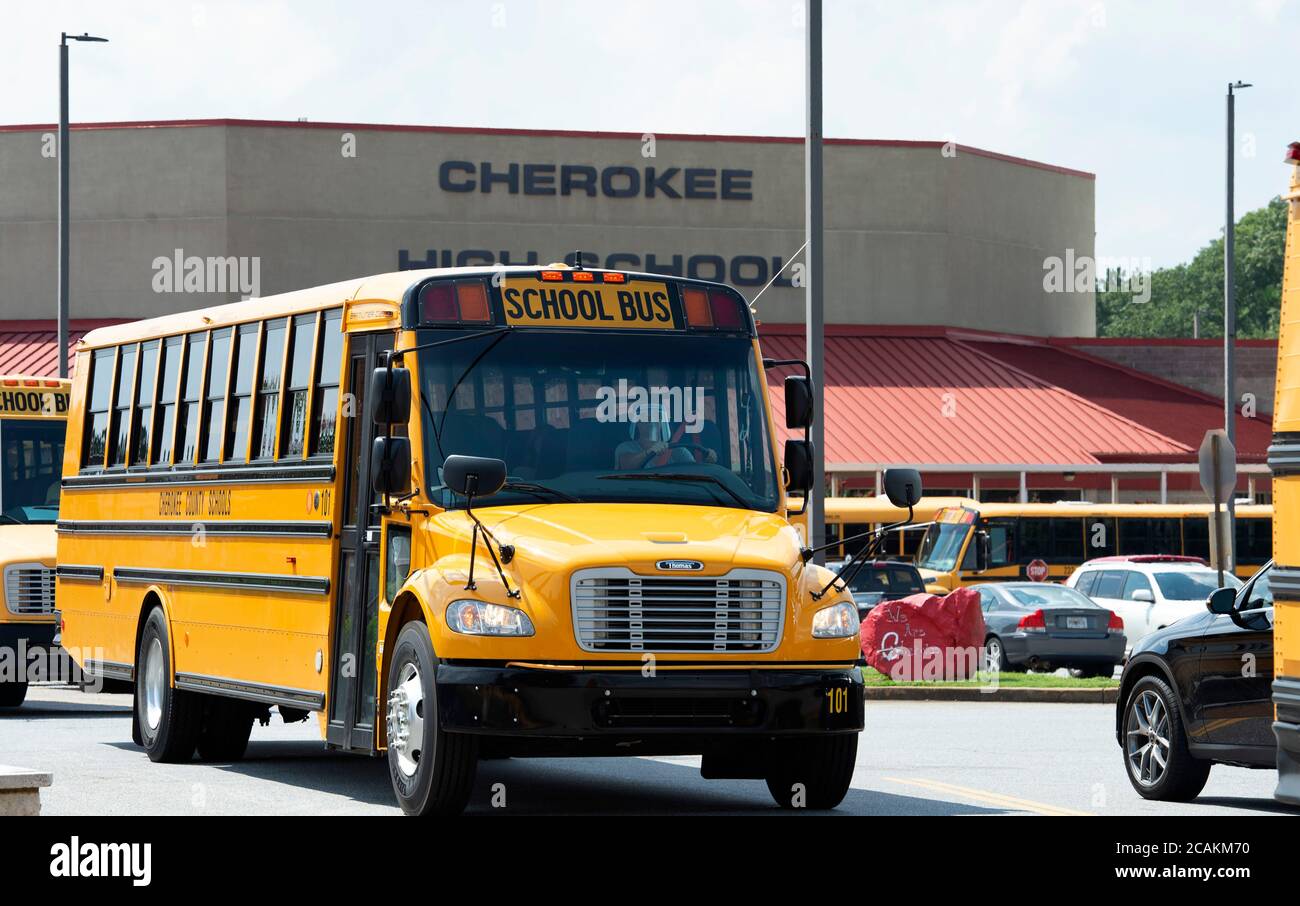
[395, 501]
[995, 542]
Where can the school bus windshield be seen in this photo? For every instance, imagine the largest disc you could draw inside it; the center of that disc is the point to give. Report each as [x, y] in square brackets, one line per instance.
[601, 416]
[31, 451]
[942, 546]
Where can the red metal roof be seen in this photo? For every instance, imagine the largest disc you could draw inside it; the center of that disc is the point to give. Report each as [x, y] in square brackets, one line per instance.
[927, 396]
[30, 347]
[1171, 409]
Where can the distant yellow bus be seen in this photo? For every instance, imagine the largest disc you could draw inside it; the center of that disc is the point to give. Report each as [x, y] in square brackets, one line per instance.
[1284, 460]
[848, 517]
[460, 512]
[33, 418]
[997, 542]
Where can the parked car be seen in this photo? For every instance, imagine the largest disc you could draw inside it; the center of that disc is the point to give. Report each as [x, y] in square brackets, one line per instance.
[882, 580]
[1198, 693]
[1041, 626]
[1150, 591]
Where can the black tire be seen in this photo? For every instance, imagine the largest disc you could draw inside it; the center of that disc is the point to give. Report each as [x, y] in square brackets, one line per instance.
[822, 766]
[224, 732]
[437, 777]
[1183, 776]
[179, 712]
[995, 654]
[12, 695]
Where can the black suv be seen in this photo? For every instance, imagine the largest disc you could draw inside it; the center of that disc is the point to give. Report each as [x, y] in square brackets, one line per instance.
[1198, 693]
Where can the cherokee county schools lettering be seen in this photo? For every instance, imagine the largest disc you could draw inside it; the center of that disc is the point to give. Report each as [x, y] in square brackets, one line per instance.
[611, 182]
[215, 502]
[103, 860]
[634, 304]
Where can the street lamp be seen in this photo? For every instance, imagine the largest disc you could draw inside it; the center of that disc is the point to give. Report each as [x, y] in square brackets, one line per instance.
[63, 192]
[1230, 312]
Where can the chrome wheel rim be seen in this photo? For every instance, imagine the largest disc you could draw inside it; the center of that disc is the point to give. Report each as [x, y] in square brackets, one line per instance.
[1147, 739]
[993, 653]
[155, 682]
[406, 719]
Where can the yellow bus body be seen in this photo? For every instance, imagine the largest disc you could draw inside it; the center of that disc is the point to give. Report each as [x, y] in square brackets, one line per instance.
[30, 463]
[1113, 520]
[849, 516]
[1284, 460]
[243, 555]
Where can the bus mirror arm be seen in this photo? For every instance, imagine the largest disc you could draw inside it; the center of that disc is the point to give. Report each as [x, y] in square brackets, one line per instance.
[869, 551]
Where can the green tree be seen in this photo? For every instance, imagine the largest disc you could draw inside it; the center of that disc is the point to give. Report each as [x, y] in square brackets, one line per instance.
[1178, 292]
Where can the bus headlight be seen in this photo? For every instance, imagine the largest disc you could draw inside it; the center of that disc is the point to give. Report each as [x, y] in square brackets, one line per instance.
[481, 618]
[839, 621]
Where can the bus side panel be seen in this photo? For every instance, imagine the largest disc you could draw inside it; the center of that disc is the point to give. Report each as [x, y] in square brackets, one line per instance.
[1284, 459]
[239, 631]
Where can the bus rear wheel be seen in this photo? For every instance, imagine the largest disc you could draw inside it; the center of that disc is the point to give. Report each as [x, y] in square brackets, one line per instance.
[168, 718]
[432, 770]
[12, 695]
[223, 735]
[812, 773]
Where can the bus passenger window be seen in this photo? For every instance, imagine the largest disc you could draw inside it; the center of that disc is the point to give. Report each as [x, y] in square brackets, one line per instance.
[142, 429]
[326, 405]
[1002, 542]
[241, 394]
[101, 392]
[1067, 540]
[168, 374]
[187, 428]
[122, 407]
[294, 431]
[268, 390]
[218, 381]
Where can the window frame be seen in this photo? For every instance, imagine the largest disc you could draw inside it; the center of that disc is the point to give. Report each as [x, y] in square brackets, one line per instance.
[88, 417]
[279, 392]
[110, 448]
[166, 446]
[137, 408]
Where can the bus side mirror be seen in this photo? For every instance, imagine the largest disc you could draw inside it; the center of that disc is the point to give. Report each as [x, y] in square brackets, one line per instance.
[390, 465]
[1222, 601]
[983, 551]
[799, 466]
[390, 388]
[798, 402]
[903, 487]
[473, 476]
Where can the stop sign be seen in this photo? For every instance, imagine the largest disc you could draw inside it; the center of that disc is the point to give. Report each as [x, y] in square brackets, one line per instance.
[1036, 570]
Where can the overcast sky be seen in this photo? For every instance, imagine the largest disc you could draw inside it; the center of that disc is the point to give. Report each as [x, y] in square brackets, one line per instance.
[1130, 91]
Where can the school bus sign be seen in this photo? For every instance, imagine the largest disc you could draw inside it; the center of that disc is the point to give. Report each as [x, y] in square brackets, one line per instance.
[626, 304]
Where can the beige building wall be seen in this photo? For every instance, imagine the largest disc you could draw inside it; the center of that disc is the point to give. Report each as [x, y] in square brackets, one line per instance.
[914, 235]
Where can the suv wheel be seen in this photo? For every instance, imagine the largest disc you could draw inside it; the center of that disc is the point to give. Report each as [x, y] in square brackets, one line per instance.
[1156, 757]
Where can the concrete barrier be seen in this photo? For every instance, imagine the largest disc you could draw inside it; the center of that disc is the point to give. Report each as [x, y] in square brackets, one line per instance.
[20, 790]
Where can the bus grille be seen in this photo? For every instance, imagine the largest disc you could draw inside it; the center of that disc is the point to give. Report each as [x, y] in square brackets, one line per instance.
[29, 588]
[616, 610]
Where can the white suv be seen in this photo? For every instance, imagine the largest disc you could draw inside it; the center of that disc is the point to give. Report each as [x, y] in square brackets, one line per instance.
[1148, 591]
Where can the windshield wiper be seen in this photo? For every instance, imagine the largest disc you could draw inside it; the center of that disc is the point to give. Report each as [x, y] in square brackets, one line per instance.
[540, 490]
[691, 477]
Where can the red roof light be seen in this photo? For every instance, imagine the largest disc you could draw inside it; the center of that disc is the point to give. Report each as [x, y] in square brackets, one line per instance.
[1292, 153]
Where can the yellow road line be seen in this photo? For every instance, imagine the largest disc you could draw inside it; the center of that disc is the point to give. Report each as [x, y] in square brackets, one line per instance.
[1012, 802]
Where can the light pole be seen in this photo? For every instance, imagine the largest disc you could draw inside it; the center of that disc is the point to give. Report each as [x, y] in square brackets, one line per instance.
[63, 193]
[815, 293]
[1230, 315]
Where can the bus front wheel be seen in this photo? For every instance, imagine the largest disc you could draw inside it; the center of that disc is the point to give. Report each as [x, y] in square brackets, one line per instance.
[168, 718]
[812, 773]
[432, 770]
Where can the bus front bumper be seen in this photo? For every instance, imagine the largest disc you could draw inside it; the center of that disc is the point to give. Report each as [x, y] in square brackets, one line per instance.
[580, 704]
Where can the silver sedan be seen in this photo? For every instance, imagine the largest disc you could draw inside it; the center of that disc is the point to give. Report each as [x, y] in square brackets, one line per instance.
[1042, 626]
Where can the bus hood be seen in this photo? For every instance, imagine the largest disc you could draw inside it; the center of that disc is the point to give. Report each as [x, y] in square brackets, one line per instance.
[27, 544]
[640, 536]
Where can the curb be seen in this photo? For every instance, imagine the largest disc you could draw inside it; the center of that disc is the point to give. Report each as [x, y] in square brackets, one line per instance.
[939, 693]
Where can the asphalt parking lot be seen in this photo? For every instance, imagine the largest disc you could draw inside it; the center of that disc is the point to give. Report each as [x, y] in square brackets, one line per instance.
[915, 758]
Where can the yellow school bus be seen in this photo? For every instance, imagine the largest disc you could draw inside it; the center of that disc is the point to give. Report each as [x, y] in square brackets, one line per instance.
[848, 518]
[459, 513]
[33, 415]
[1284, 460]
[997, 542]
